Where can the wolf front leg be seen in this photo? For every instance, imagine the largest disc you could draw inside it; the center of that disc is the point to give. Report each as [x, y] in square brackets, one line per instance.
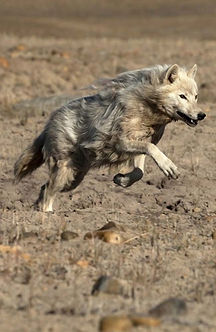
[159, 131]
[164, 163]
[138, 147]
[126, 180]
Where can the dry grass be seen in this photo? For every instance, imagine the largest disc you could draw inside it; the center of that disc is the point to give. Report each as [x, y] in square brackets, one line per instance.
[46, 281]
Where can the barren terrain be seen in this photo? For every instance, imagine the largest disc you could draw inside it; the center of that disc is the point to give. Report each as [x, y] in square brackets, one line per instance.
[47, 269]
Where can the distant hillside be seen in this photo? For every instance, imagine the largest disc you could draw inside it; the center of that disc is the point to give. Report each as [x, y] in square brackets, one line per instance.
[113, 18]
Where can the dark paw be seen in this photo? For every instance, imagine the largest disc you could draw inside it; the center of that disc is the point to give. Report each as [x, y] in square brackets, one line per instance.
[122, 180]
[126, 180]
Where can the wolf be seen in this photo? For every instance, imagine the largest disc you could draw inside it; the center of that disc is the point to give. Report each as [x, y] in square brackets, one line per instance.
[120, 123]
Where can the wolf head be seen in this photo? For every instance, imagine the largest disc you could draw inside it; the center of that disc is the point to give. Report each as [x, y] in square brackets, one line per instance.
[179, 95]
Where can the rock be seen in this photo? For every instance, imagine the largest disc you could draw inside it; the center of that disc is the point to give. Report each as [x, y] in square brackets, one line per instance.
[59, 271]
[109, 233]
[125, 323]
[109, 225]
[30, 234]
[169, 307]
[68, 235]
[197, 210]
[112, 233]
[145, 321]
[21, 275]
[82, 263]
[106, 236]
[210, 218]
[214, 235]
[4, 62]
[51, 237]
[108, 285]
[115, 323]
[56, 271]
[111, 237]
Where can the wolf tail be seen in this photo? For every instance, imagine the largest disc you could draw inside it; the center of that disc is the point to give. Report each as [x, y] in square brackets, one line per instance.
[30, 159]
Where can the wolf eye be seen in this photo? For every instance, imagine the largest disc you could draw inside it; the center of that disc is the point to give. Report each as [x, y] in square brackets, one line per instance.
[196, 97]
[183, 97]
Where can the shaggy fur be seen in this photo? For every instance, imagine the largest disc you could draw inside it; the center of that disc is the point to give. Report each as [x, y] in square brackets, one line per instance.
[121, 123]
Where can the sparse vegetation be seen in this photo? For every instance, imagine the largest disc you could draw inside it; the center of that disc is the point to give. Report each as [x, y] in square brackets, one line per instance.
[47, 269]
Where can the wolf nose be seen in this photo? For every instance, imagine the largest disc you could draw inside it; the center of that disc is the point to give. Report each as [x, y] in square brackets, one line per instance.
[201, 116]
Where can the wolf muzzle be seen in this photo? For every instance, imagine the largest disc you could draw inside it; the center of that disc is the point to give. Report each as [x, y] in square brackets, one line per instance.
[201, 116]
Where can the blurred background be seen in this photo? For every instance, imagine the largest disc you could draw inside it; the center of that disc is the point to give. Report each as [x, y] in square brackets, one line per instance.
[109, 18]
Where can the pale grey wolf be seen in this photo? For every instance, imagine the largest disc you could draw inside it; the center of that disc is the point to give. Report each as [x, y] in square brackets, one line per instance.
[122, 122]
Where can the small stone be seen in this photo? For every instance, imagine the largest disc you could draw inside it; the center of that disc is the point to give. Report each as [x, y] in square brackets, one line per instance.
[115, 323]
[4, 62]
[110, 233]
[210, 218]
[59, 272]
[169, 307]
[30, 234]
[109, 225]
[197, 210]
[145, 321]
[111, 237]
[106, 236]
[214, 235]
[82, 263]
[21, 275]
[68, 235]
[108, 285]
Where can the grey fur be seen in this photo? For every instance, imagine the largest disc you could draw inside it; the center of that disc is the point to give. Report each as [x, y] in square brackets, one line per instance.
[118, 124]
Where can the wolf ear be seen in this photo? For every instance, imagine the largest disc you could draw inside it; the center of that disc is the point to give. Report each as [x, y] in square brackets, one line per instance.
[172, 73]
[192, 72]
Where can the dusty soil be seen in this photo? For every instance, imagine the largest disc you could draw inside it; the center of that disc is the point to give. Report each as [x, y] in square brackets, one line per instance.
[45, 280]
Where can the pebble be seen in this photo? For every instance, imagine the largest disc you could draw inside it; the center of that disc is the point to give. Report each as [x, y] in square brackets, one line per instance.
[30, 234]
[4, 62]
[109, 225]
[108, 285]
[197, 210]
[170, 307]
[68, 235]
[145, 321]
[214, 235]
[106, 236]
[111, 237]
[21, 275]
[125, 323]
[115, 323]
[82, 263]
[110, 233]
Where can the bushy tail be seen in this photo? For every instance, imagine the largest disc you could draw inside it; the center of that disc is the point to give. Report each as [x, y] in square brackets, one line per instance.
[30, 159]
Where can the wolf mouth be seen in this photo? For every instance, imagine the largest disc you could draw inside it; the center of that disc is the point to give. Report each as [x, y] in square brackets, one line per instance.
[189, 121]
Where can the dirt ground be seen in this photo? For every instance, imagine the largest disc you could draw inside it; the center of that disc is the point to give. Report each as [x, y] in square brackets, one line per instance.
[46, 278]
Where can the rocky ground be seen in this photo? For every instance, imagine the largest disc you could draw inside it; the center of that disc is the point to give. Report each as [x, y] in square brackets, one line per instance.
[164, 231]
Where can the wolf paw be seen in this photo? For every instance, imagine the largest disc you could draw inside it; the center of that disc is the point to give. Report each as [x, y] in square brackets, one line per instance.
[122, 180]
[170, 169]
[126, 180]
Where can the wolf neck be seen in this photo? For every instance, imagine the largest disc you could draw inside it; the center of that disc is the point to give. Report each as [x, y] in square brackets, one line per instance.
[144, 104]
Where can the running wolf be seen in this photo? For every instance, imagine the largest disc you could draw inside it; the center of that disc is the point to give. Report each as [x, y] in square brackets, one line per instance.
[121, 123]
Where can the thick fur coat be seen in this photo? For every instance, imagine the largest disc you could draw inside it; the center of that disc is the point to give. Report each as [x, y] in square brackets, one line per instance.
[120, 123]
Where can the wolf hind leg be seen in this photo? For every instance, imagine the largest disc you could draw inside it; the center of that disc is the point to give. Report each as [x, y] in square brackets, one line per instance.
[126, 180]
[62, 178]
